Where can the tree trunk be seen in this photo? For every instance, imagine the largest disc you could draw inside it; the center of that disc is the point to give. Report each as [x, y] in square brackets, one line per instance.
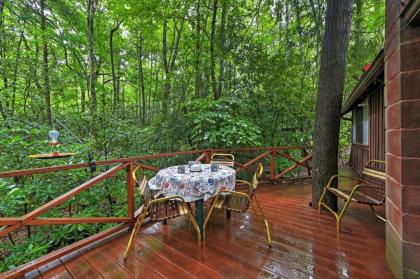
[2, 109]
[213, 51]
[92, 58]
[329, 97]
[197, 51]
[222, 49]
[169, 65]
[142, 104]
[15, 72]
[47, 94]
[115, 86]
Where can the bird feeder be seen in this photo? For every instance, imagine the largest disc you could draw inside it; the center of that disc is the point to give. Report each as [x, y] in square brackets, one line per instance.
[54, 143]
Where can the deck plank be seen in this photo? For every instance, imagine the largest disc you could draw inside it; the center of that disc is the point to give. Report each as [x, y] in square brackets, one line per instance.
[54, 270]
[106, 267]
[132, 265]
[81, 268]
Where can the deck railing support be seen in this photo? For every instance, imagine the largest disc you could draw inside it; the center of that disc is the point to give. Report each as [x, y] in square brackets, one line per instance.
[273, 165]
[130, 192]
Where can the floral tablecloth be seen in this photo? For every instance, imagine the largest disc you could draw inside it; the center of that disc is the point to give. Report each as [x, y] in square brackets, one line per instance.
[193, 185]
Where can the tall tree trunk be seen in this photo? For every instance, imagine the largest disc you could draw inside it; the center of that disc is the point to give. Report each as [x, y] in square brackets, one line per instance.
[357, 35]
[222, 49]
[287, 33]
[197, 50]
[213, 51]
[142, 96]
[47, 94]
[115, 86]
[2, 109]
[329, 97]
[169, 64]
[15, 72]
[92, 59]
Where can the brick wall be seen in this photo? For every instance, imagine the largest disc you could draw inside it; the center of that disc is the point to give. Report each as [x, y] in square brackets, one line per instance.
[402, 101]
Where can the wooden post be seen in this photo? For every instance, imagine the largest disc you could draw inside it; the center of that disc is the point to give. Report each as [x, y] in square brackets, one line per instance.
[208, 157]
[273, 165]
[305, 153]
[130, 192]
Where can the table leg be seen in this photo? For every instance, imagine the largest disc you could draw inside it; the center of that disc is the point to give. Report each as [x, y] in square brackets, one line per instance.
[199, 214]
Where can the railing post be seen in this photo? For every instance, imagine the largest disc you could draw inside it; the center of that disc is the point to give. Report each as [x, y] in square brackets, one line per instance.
[130, 192]
[305, 153]
[273, 165]
[208, 157]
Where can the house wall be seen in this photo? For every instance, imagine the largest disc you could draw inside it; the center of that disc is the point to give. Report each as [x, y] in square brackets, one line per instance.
[402, 115]
[377, 125]
[375, 150]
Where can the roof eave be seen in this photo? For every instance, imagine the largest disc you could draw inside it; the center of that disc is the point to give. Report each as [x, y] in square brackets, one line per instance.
[364, 82]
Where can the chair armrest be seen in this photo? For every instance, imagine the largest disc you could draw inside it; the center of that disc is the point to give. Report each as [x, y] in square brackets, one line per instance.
[367, 186]
[243, 181]
[342, 176]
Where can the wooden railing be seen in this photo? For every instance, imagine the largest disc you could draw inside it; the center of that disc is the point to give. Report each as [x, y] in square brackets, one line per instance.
[10, 224]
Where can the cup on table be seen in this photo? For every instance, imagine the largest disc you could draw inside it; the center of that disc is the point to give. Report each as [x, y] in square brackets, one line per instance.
[214, 167]
[181, 169]
[190, 163]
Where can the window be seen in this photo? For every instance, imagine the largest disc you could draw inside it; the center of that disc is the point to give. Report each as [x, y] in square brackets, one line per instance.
[360, 124]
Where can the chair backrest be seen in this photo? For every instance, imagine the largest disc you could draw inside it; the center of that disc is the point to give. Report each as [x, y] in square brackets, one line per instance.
[227, 160]
[255, 181]
[166, 208]
[374, 174]
[142, 183]
[374, 171]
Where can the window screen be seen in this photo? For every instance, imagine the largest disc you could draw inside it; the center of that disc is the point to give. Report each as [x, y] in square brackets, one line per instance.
[361, 124]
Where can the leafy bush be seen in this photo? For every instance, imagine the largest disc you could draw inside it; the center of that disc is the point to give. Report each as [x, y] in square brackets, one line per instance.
[220, 124]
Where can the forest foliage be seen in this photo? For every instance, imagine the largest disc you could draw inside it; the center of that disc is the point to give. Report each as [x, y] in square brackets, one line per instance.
[146, 76]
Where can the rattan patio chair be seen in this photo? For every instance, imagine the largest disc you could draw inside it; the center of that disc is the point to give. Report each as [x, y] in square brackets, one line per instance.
[158, 209]
[240, 202]
[227, 160]
[370, 190]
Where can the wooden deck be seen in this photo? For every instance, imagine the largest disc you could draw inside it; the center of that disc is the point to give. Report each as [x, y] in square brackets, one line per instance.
[305, 245]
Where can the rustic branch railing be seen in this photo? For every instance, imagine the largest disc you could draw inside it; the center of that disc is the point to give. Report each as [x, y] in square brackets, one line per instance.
[10, 224]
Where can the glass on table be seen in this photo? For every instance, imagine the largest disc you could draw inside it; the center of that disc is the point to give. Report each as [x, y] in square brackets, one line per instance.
[214, 167]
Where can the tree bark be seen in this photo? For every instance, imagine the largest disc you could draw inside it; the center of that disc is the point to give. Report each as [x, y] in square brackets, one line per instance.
[114, 78]
[2, 109]
[222, 49]
[213, 51]
[329, 97]
[169, 64]
[142, 96]
[45, 73]
[15, 72]
[197, 50]
[92, 59]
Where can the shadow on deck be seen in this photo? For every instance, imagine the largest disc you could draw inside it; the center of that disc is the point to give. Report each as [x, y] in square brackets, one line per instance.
[305, 245]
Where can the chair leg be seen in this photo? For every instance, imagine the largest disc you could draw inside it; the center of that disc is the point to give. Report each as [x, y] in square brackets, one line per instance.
[324, 192]
[208, 217]
[343, 210]
[265, 220]
[195, 225]
[134, 232]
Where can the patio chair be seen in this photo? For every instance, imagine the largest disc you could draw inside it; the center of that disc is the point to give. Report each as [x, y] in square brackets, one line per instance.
[370, 190]
[227, 160]
[158, 209]
[240, 202]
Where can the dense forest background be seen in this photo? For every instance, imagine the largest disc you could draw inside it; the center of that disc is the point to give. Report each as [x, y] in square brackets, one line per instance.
[146, 76]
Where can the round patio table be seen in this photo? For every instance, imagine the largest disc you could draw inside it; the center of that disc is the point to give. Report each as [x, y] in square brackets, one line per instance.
[194, 186]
